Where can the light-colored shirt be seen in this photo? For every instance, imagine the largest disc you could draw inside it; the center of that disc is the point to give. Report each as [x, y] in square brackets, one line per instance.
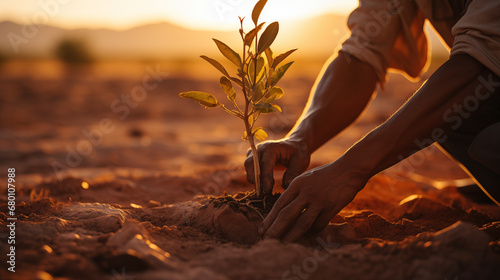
[389, 34]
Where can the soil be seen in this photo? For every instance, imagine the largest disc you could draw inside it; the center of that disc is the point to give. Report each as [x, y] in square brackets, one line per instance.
[156, 198]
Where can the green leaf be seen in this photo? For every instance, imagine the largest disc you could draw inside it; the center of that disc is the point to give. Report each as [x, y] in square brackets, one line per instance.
[260, 67]
[260, 134]
[266, 108]
[275, 93]
[233, 56]
[268, 36]
[251, 35]
[205, 99]
[253, 118]
[251, 69]
[227, 86]
[257, 93]
[281, 57]
[269, 56]
[216, 64]
[280, 72]
[257, 10]
[237, 81]
[248, 87]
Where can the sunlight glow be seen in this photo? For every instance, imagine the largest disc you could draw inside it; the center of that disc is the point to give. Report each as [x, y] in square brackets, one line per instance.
[47, 249]
[195, 14]
[85, 185]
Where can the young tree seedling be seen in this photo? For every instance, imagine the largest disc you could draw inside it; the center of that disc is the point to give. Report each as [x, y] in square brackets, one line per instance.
[257, 74]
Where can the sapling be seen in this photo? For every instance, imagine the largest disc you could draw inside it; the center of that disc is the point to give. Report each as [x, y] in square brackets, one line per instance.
[258, 72]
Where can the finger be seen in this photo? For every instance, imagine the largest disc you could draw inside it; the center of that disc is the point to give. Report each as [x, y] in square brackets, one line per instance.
[267, 164]
[249, 169]
[286, 198]
[322, 220]
[304, 223]
[296, 167]
[285, 219]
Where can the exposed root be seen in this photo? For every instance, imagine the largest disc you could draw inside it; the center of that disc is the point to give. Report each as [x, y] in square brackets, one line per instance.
[250, 200]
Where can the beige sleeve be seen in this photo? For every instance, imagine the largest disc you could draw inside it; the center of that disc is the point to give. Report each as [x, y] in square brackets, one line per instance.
[477, 33]
[388, 34]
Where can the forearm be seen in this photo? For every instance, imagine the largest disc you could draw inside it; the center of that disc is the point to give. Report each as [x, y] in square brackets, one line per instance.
[424, 119]
[336, 100]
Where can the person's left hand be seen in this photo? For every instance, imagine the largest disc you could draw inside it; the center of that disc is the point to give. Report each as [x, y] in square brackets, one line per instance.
[311, 201]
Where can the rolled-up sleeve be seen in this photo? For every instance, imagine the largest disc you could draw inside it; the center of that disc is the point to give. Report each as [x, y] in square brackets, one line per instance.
[477, 34]
[388, 34]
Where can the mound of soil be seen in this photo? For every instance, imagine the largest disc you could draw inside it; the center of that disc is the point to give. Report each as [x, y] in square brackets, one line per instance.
[149, 207]
[230, 219]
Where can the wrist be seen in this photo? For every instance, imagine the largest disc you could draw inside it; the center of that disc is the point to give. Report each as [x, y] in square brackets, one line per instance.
[341, 173]
[304, 142]
[299, 144]
[365, 157]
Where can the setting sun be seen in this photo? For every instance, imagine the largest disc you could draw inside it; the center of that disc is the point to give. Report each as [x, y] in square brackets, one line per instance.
[194, 14]
[167, 139]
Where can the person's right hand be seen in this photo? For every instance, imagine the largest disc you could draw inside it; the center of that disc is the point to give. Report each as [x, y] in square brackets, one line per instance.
[293, 155]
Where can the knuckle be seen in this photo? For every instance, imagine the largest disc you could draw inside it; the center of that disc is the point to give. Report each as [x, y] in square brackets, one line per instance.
[309, 195]
[279, 204]
[248, 162]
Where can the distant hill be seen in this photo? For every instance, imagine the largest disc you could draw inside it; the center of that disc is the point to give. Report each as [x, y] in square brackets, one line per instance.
[315, 37]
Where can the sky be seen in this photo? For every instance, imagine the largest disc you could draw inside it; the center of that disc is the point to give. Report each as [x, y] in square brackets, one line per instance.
[194, 14]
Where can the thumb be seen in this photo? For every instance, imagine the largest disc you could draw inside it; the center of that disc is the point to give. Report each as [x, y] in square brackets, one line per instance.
[267, 164]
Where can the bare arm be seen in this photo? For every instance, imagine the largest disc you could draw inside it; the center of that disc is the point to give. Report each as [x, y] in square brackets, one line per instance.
[337, 99]
[340, 96]
[313, 198]
[427, 115]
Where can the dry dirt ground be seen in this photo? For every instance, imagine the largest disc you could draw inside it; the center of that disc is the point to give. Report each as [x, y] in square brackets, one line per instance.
[111, 175]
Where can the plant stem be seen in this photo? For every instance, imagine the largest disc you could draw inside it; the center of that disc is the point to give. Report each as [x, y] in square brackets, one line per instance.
[251, 140]
[248, 128]
[256, 161]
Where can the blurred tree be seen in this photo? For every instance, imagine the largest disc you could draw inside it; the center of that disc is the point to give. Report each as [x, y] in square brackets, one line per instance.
[73, 51]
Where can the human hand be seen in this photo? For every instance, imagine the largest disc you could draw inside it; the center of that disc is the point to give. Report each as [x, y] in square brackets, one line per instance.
[311, 201]
[293, 155]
